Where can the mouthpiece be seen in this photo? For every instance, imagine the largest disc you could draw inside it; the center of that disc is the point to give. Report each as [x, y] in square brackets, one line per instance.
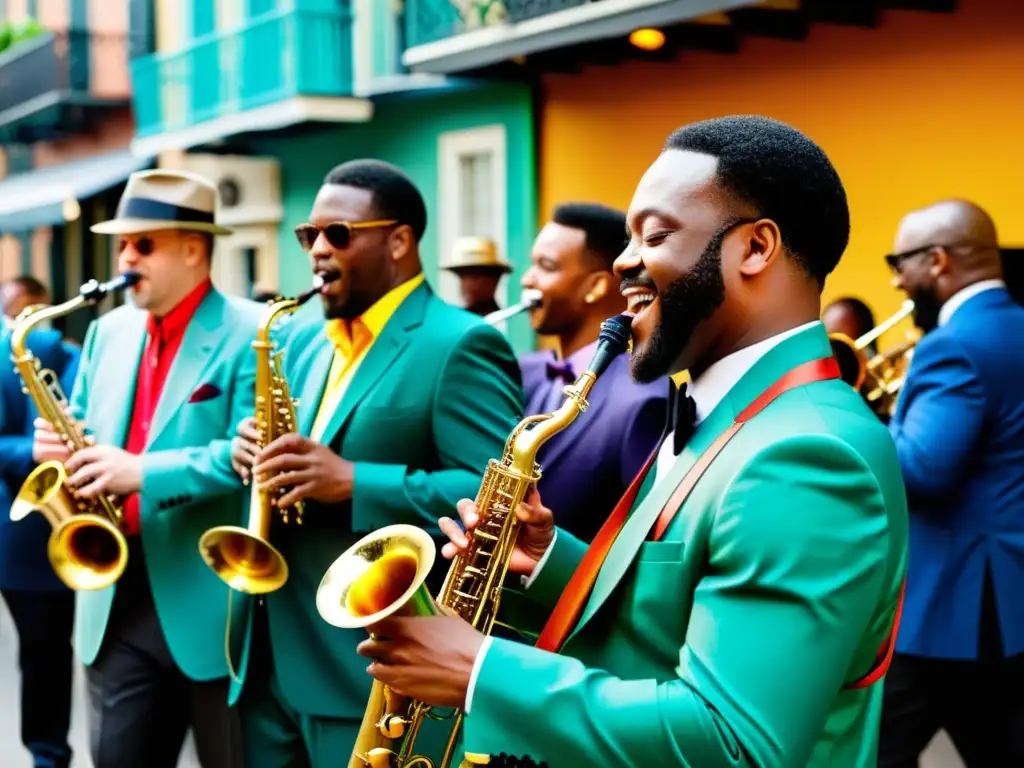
[320, 279]
[93, 290]
[615, 338]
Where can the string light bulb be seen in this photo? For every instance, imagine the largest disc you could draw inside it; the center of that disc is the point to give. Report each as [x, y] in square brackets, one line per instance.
[647, 38]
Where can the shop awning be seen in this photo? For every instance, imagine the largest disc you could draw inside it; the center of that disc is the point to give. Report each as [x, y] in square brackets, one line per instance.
[37, 198]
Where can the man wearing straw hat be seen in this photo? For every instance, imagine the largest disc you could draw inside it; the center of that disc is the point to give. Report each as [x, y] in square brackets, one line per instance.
[476, 263]
[161, 386]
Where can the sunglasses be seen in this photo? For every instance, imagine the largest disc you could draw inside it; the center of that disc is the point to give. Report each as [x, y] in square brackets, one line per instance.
[338, 233]
[896, 260]
[144, 246]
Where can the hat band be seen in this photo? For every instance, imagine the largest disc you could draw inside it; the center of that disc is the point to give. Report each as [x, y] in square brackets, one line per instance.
[146, 208]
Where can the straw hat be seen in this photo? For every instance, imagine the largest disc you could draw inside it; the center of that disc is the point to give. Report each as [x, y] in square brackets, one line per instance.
[475, 253]
[161, 199]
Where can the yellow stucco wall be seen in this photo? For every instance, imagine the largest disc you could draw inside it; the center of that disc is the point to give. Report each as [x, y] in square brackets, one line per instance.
[919, 109]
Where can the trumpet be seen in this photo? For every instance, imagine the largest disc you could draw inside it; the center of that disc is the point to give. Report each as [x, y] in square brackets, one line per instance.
[244, 558]
[529, 299]
[880, 378]
[383, 573]
[86, 547]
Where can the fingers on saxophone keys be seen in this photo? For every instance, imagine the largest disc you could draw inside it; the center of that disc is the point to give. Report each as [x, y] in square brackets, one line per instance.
[458, 542]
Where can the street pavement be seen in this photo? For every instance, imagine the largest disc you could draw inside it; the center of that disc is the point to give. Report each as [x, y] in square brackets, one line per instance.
[940, 754]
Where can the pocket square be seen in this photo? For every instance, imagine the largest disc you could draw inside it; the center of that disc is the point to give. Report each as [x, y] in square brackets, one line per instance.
[204, 392]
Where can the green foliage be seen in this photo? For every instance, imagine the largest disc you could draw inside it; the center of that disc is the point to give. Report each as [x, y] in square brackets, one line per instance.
[14, 33]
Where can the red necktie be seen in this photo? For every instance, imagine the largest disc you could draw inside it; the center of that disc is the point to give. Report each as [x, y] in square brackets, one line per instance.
[148, 396]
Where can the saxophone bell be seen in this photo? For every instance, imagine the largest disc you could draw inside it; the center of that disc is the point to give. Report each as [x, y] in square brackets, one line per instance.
[244, 558]
[86, 548]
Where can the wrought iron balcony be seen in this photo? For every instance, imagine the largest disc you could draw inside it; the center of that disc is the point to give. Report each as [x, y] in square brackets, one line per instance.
[427, 21]
[275, 56]
[59, 83]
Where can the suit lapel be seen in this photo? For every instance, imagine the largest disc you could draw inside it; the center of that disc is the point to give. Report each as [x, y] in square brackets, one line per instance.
[112, 412]
[807, 345]
[204, 335]
[393, 338]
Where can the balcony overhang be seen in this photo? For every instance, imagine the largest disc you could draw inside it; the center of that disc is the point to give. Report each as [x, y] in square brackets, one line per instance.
[590, 21]
[271, 117]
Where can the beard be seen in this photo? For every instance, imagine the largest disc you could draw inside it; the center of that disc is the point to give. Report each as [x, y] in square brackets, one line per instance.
[690, 300]
[927, 306]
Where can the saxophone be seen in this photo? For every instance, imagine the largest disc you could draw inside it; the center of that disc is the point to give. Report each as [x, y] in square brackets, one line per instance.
[244, 558]
[383, 573]
[86, 547]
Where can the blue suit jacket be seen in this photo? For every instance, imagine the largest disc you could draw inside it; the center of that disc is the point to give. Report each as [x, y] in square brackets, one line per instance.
[588, 466]
[959, 432]
[23, 560]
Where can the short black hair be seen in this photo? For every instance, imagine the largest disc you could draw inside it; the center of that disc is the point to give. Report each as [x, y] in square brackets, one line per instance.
[394, 194]
[861, 311]
[785, 176]
[605, 228]
[31, 285]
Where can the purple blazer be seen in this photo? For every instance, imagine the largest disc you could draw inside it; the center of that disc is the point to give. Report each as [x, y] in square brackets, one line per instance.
[588, 466]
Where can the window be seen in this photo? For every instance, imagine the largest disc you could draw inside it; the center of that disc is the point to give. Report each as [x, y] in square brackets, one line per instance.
[472, 198]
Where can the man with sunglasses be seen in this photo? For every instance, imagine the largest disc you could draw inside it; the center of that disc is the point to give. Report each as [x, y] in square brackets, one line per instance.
[959, 433]
[737, 607]
[161, 385]
[403, 400]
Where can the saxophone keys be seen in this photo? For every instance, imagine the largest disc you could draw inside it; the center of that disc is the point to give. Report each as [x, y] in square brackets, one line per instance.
[379, 757]
[392, 726]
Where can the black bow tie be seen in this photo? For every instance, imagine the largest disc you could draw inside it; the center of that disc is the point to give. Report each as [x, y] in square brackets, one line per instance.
[560, 369]
[683, 420]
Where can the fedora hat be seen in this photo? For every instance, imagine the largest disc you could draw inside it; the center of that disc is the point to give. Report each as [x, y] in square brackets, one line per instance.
[475, 253]
[161, 199]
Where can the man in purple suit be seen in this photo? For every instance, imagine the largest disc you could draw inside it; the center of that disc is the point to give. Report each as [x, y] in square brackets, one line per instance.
[587, 467]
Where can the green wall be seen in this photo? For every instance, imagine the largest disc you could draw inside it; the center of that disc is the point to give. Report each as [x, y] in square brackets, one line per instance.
[404, 131]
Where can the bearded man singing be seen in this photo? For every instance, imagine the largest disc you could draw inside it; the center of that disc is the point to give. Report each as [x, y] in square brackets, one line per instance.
[738, 607]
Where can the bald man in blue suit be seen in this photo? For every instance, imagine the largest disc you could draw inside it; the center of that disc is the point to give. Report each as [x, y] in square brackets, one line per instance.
[42, 607]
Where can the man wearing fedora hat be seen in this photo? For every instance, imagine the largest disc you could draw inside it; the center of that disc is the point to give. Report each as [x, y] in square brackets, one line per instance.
[161, 386]
[475, 261]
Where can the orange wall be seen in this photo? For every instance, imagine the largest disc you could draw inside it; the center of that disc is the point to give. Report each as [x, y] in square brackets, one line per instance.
[924, 107]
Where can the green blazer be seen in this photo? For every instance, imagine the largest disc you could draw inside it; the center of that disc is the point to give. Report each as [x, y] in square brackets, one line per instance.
[728, 642]
[188, 485]
[431, 403]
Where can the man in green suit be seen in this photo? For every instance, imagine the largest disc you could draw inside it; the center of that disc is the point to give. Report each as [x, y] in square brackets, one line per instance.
[161, 385]
[403, 400]
[739, 617]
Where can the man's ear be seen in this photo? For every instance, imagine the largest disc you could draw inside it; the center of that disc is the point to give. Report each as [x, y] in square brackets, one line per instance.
[400, 242]
[763, 246]
[597, 284]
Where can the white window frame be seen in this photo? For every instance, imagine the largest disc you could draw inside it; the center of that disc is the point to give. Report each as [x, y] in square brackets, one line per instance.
[452, 147]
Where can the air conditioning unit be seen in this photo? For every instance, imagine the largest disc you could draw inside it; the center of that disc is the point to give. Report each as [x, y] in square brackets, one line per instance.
[250, 187]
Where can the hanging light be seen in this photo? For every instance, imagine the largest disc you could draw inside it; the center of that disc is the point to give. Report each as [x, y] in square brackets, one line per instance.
[647, 38]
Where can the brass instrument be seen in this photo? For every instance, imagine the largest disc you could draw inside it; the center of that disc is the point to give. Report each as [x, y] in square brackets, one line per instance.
[384, 573]
[529, 299]
[86, 547]
[880, 378]
[244, 558]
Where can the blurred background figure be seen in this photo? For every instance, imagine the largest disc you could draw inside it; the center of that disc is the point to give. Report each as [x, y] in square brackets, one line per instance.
[23, 291]
[475, 261]
[850, 316]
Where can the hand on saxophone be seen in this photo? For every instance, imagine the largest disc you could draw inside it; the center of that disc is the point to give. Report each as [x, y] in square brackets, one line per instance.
[535, 534]
[47, 445]
[245, 448]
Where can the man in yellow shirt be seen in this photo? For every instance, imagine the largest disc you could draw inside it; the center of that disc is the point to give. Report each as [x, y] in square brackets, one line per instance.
[403, 400]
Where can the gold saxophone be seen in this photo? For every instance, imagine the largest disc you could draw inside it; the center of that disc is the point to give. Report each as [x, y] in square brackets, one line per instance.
[383, 574]
[86, 547]
[244, 558]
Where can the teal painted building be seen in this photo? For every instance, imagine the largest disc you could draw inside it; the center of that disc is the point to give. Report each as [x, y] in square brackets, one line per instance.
[266, 96]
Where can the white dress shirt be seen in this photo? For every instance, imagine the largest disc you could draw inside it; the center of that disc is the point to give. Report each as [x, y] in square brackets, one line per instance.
[961, 297]
[707, 391]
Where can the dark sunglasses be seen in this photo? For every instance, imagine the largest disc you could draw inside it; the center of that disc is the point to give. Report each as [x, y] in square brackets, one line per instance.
[896, 260]
[144, 246]
[338, 233]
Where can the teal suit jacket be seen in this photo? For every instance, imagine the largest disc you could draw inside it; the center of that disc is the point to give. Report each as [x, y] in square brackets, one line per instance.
[430, 404]
[188, 485]
[727, 642]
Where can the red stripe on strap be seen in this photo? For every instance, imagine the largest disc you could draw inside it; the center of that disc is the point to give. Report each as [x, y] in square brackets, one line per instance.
[884, 657]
